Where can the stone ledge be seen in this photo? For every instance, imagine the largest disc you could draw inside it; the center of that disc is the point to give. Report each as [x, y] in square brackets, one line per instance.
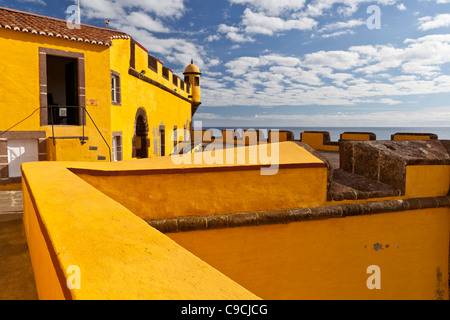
[349, 186]
[211, 222]
[386, 161]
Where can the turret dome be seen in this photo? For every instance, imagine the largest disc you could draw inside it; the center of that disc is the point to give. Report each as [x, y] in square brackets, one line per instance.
[192, 69]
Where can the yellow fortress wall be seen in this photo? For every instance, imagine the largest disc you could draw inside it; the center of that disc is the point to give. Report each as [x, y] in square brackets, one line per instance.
[320, 250]
[236, 188]
[319, 140]
[329, 259]
[119, 256]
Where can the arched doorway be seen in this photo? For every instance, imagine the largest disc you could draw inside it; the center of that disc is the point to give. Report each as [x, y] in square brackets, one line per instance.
[141, 142]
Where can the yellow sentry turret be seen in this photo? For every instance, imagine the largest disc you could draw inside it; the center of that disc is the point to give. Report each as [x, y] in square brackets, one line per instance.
[192, 76]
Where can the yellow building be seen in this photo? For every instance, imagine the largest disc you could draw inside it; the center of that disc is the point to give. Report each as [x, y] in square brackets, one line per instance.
[376, 227]
[84, 94]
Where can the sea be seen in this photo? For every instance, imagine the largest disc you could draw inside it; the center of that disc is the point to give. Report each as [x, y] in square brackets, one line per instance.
[382, 133]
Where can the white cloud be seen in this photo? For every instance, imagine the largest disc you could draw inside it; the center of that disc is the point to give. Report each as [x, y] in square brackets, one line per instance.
[176, 51]
[212, 37]
[166, 8]
[206, 116]
[273, 7]
[401, 7]
[343, 25]
[122, 10]
[145, 18]
[256, 22]
[438, 21]
[344, 7]
[234, 34]
[41, 2]
[340, 60]
[271, 17]
[313, 8]
[337, 34]
[360, 74]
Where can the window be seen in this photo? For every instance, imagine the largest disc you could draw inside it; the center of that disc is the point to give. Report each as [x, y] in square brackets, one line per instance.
[175, 138]
[175, 80]
[117, 146]
[165, 72]
[197, 81]
[162, 141]
[152, 63]
[115, 88]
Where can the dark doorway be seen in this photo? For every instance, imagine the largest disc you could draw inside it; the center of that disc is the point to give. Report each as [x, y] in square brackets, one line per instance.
[62, 88]
[141, 138]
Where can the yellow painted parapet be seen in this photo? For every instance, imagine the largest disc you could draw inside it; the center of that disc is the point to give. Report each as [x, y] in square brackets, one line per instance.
[319, 140]
[83, 245]
[389, 256]
[238, 234]
[358, 136]
[233, 180]
[413, 136]
[427, 180]
[240, 137]
[79, 235]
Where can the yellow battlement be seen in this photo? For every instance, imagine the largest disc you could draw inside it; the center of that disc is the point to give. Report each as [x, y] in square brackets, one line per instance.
[129, 230]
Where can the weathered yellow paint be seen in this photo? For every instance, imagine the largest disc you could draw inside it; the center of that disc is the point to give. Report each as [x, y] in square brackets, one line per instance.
[427, 180]
[315, 141]
[328, 259]
[119, 256]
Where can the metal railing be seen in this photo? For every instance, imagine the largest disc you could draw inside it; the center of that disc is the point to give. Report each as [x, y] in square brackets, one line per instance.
[82, 120]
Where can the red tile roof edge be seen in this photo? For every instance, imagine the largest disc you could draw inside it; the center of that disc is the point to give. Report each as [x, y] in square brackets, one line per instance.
[106, 36]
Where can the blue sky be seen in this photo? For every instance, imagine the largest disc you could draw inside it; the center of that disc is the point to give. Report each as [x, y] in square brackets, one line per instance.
[294, 62]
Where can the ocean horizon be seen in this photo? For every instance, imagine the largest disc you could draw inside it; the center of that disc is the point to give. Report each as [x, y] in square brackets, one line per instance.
[382, 133]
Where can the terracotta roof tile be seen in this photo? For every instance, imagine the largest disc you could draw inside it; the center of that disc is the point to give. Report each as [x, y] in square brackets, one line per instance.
[41, 25]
